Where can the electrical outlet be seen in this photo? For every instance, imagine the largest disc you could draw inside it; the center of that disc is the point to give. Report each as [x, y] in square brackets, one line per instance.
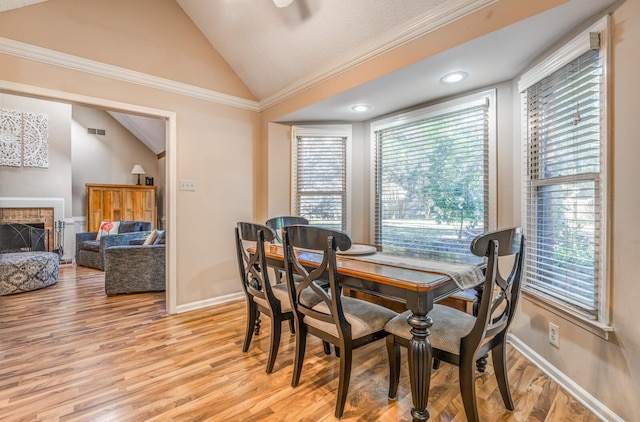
[186, 184]
[554, 334]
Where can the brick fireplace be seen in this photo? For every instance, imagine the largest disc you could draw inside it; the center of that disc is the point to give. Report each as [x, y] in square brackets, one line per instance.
[33, 216]
[33, 211]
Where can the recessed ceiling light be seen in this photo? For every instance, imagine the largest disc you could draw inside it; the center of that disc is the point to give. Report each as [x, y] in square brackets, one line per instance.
[453, 77]
[361, 107]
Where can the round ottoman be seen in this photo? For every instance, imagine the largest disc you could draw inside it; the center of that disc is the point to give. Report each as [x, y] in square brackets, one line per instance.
[25, 271]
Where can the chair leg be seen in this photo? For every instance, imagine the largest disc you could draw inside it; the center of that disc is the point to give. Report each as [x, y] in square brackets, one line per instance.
[468, 389]
[252, 314]
[276, 329]
[292, 328]
[499, 357]
[336, 349]
[436, 364]
[343, 383]
[301, 345]
[393, 352]
[326, 347]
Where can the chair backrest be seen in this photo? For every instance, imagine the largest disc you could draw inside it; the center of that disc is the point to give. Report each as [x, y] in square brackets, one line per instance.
[253, 267]
[500, 295]
[278, 223]
[326, 242]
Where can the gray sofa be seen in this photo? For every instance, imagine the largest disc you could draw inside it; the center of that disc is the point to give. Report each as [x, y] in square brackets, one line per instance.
[135, 268]
[91, 252]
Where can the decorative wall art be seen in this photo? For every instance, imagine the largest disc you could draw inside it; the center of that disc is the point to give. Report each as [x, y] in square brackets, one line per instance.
[24, 139]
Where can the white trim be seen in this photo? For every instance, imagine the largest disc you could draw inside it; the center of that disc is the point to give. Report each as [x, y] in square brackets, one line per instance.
[438, 17]
[448, 12]
[56, 58]
[570, 51]
[580, 44]
[171, 162]
[324, 130]
[209, 302]
[581, 395]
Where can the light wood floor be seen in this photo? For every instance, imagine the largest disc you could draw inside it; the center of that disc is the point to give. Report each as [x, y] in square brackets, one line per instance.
[70, 353]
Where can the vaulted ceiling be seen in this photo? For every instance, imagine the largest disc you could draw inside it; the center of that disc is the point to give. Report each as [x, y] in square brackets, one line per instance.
[280, 50]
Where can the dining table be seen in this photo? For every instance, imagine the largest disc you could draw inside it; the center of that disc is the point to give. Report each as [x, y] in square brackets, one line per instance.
[417, 282]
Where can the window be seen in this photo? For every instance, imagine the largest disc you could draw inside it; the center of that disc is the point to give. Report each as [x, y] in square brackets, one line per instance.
[319, 191]
[564, 184]
[432, 177]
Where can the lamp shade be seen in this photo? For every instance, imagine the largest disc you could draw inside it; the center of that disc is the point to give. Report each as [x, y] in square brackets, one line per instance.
[282, 3]
[137, 169]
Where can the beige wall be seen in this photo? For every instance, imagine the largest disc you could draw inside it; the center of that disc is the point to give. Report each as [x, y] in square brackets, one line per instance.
[215, 143]
[105, 158]
[151, 36]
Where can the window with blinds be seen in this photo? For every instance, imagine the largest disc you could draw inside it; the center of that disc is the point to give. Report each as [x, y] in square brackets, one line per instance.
[432, 180]
[320, 180]
[563, 185]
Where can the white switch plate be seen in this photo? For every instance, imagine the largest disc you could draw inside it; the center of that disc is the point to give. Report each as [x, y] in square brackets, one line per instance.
[186, 184]
[554, 334]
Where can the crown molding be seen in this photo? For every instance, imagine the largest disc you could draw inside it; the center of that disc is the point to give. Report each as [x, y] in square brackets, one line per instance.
[440, 16]
[56, 58]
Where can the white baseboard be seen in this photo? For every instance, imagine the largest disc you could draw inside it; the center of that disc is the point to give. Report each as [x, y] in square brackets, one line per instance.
[595, 406]
[209, 302]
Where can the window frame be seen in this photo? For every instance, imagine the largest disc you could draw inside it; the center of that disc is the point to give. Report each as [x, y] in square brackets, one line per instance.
[562, 56]
[335, 130]
[431, 111]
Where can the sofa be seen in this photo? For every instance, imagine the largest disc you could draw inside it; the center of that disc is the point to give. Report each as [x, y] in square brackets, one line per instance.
[90, 252]
[135, 268]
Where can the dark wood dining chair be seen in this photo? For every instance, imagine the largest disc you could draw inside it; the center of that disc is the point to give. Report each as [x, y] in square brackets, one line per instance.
[261, 296]
[459, 338]
[278, 223]
[345, 322]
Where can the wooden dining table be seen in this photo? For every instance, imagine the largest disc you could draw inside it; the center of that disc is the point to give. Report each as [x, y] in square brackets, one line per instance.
[419, 289]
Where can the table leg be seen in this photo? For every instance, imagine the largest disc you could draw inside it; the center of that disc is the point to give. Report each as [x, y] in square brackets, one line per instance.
[420, 360]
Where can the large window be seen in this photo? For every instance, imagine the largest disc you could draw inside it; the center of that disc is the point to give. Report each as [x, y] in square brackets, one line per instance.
[319, 191]
[432, 177]
[564, 184]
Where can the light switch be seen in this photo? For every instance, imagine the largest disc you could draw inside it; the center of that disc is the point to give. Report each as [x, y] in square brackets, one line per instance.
[186, 184]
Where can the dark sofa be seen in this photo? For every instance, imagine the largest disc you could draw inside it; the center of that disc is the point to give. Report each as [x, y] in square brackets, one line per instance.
[91, 252]
[136, 267]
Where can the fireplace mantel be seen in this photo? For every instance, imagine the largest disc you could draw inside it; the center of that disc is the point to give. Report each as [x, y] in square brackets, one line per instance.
[56, 203]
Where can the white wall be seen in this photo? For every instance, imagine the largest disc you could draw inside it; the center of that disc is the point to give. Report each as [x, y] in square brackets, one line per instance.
[51, 182]
[108, 158]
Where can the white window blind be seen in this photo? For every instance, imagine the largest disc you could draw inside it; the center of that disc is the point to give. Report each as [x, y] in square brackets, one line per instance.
[320, 180]
[432, 180]
[563, 185]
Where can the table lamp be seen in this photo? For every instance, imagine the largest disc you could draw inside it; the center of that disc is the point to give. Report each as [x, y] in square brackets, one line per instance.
[137, 169]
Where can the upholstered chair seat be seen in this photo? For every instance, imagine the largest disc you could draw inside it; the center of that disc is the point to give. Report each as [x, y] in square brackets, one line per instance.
[365, 318]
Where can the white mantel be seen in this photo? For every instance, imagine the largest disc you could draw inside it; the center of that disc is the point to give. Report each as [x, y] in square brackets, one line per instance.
[56, 203]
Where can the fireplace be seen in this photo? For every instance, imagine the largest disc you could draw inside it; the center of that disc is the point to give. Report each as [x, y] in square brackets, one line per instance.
[44, 213]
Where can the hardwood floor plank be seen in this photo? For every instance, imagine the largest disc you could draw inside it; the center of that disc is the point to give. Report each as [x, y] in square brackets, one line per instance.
[71, 353]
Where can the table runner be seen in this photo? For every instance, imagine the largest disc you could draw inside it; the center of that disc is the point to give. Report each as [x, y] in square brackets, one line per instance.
[465, 275]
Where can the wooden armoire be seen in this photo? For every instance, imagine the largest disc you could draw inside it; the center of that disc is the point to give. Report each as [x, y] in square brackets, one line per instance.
[119, 202]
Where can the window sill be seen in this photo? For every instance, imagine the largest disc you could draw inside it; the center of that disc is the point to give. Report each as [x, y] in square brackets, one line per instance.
[594, 327]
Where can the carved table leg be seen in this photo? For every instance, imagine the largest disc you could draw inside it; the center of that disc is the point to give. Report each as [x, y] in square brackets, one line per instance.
[420, 357]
